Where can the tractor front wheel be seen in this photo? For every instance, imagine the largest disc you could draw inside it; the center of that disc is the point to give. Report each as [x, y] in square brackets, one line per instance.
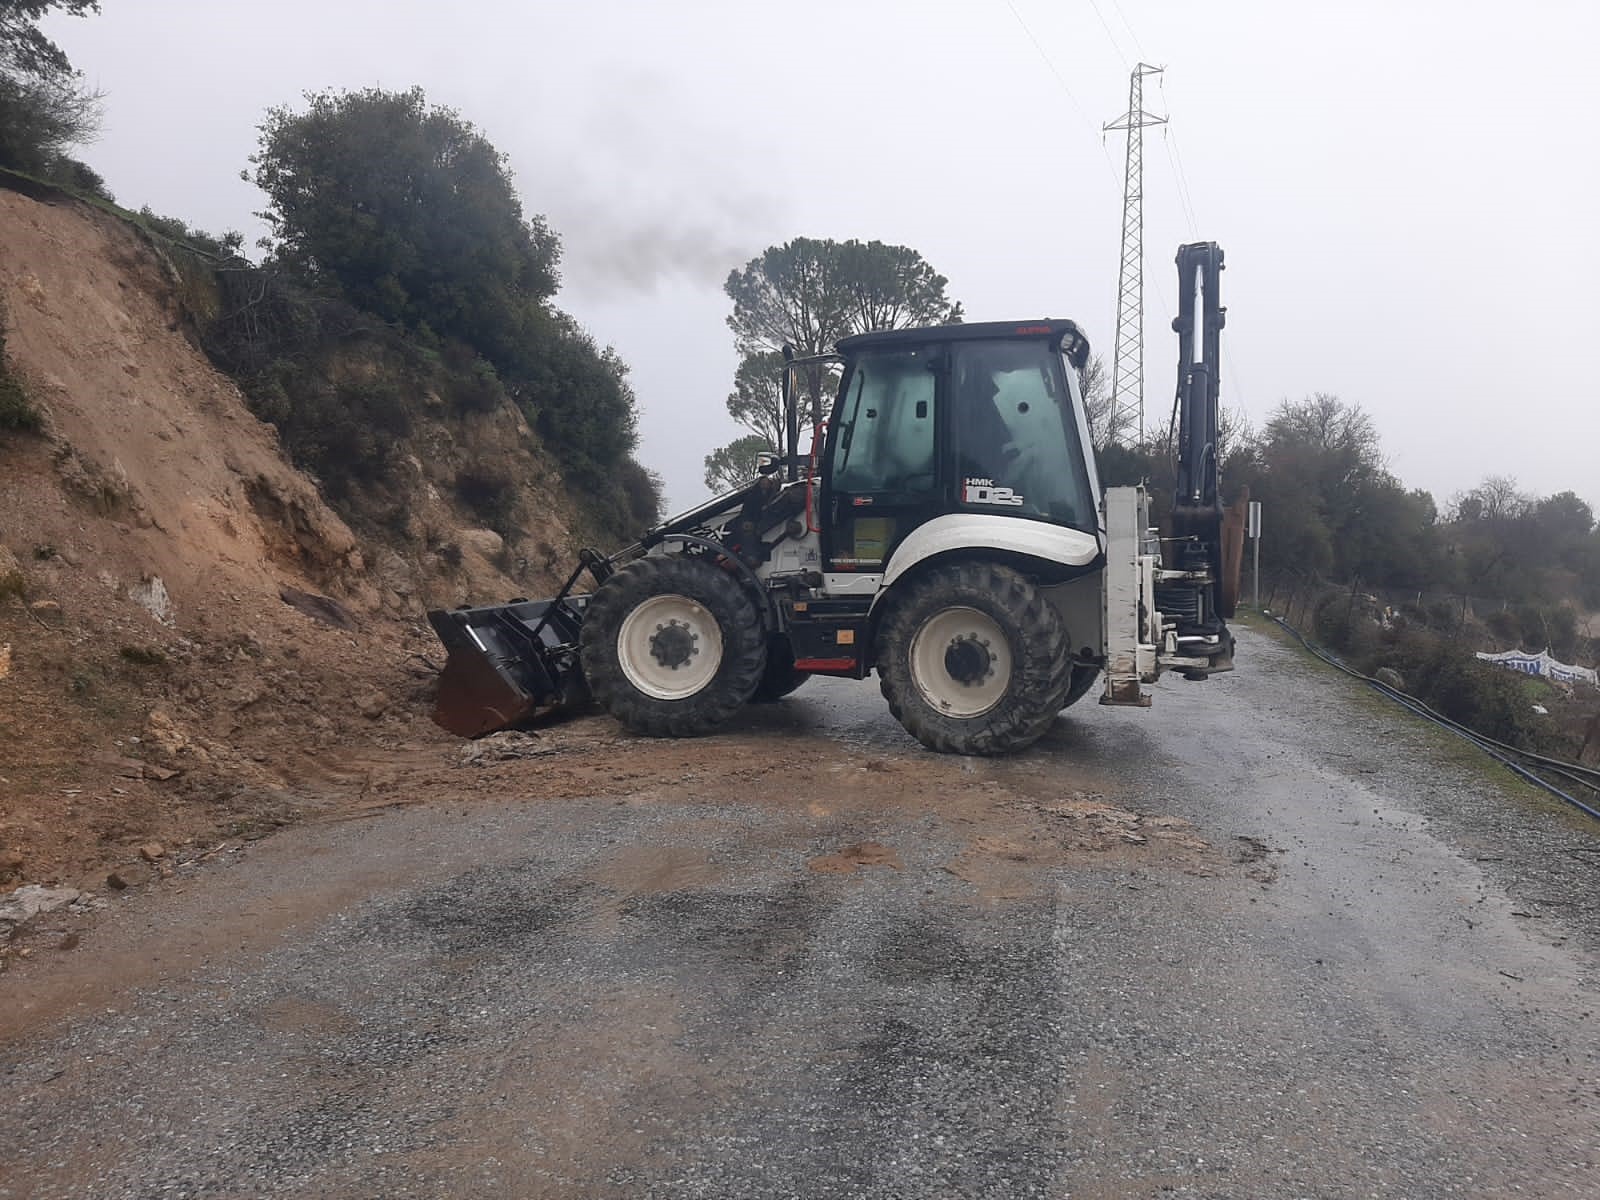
[973, 660]
[781, 676]
[672, 646]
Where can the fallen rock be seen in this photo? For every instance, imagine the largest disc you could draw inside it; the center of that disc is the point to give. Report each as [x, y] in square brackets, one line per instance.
[485, 542]
[394, 573]
[160, 774]
[121, 765]
[132, 875]
[319, 608]
[150, 594]
[1389, 677]
[503, 746]
[28, 902]
[168, 738]
[372, 705]
[5, 659]
[152, 852]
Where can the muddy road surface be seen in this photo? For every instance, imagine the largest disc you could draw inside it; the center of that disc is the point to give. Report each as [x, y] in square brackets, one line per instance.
[1269, 939]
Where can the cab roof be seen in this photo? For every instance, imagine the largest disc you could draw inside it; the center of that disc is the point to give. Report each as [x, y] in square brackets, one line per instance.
[1071, 337]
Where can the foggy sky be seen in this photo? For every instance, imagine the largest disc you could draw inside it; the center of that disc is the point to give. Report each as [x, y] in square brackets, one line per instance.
[1403, 190]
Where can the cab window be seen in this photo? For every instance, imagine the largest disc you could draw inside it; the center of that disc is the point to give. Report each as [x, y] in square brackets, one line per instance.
[1014, 434]
[884, 440]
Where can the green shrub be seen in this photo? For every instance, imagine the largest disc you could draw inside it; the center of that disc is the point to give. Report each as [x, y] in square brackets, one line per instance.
[1504, 625]
[1331, 622]
[80, 177]
[1444, 615]
[1443, 674]
[1414, 614]
[16, 410]
[1346, 624]
[1540, 626]
[490, 495]
[641, 490]
[175, 230]
[474, 383]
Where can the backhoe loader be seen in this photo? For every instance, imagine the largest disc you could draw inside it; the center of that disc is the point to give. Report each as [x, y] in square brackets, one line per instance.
[946, 529]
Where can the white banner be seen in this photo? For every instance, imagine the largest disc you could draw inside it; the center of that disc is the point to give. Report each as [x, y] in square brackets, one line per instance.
[1544, 666]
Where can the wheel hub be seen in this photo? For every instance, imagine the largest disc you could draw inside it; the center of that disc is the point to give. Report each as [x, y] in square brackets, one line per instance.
[968, 661]
[670, 647]
[961, 662]
[673, 644]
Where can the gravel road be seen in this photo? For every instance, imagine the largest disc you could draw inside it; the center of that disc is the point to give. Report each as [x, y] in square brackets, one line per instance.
[1268, 939]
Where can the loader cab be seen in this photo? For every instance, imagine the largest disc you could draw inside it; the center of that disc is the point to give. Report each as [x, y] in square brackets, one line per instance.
[980, 419]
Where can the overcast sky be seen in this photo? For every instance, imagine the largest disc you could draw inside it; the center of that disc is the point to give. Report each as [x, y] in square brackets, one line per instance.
[1405, 191]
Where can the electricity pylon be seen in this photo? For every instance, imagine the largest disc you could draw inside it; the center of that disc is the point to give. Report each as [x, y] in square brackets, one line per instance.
[1127, 365]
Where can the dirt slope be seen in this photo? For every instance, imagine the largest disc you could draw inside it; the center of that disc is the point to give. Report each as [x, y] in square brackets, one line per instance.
[159, 685]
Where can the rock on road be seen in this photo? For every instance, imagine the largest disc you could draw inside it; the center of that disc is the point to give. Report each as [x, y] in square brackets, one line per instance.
[1268, 939]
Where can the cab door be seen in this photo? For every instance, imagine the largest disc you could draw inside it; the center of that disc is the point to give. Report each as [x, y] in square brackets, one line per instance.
[882, 468]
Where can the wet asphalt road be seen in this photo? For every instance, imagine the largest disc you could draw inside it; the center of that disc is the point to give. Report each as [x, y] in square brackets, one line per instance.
[656, 998]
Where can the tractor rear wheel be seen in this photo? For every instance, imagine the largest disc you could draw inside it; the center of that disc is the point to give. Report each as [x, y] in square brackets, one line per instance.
[973, 660]
[672, 646]
[1083, 678]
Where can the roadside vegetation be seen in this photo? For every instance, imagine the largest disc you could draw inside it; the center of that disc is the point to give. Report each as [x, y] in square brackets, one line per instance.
[401, 271]
[1379, 573]
[45, 109]
[401, 274]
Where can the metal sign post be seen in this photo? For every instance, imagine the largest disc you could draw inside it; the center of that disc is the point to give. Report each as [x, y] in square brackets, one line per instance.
[1252, 529]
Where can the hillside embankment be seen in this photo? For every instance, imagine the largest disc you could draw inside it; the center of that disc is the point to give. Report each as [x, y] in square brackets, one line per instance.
[193, 643]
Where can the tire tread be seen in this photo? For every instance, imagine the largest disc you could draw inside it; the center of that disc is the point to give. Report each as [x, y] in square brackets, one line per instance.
[744, 657]
[1041, 662]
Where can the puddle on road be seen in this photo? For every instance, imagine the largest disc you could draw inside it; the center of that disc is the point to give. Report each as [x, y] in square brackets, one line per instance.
[864, 854]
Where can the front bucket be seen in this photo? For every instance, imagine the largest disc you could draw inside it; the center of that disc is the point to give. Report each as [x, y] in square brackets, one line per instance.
[508, 663]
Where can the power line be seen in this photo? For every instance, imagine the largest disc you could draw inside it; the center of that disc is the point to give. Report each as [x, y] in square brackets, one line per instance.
[1183, 192]
[1126, 24]
[1062, 82]
[1169, 136]
[1186, 196]
[1109, 35]
[1060, 79]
